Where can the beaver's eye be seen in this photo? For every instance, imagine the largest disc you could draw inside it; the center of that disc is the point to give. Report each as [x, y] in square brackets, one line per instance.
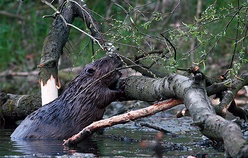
[90, 71]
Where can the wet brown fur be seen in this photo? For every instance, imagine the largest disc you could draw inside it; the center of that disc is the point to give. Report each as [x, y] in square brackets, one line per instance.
[83, 102]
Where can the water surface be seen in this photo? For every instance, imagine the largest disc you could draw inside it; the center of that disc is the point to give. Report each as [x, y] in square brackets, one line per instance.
[115, 142]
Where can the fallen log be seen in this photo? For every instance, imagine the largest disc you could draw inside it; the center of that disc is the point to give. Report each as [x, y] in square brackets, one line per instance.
[17, 107]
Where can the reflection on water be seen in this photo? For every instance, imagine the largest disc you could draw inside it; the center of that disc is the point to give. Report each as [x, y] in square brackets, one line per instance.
[51, 147]
[42, 148]
[115, 142]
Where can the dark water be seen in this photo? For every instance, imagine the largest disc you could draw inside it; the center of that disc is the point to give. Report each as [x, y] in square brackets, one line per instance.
[115, 142]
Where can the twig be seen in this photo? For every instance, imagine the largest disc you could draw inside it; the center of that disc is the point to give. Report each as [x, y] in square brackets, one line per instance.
[148, 53]
[169, 17]
[138, 67]
[120, 119]
[175, 52]
[85, 11]
[12, 15]
[9, 73]
[35, 72]
[154, 127]
[95, 40]
[236, 41]
[223, 32]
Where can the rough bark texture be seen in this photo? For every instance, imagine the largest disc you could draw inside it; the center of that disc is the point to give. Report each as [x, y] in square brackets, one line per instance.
[54, 43]
[59, 33]
[197, 102]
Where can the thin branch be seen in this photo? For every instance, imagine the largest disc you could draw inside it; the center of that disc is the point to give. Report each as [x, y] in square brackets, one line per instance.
[36, 72]
[147, 54]
[19, 7]
[9, 73]
[12, 15]
[236, 41]
[138, 67]
[175, 52]
[51, 6]
[95, 40]
[155, 127]
[223, 31]
[120, 6]
[85, 11]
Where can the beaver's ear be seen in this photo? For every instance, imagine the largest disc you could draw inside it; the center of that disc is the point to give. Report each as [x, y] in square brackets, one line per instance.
[90, 71]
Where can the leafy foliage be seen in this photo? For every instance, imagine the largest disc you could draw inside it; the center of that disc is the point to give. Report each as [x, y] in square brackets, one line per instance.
[210, 40]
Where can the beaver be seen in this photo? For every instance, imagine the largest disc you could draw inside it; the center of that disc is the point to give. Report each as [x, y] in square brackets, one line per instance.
[82, 102]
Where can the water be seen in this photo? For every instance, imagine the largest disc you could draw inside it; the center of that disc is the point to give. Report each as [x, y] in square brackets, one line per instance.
[115, 142]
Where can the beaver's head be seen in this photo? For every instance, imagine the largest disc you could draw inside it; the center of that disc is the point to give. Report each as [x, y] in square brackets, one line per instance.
[105, 69]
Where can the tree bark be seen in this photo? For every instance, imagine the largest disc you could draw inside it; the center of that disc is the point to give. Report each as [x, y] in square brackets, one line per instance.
[17, 107]
[52, 48]
[197, 102]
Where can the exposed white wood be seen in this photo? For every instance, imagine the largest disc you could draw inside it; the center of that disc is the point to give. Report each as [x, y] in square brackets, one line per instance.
[49, 91]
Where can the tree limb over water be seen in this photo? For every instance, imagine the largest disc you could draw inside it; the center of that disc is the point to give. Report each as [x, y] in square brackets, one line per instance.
[194, 96]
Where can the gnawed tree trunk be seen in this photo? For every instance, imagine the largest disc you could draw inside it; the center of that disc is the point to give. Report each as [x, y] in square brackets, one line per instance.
[56, 40]
[52, 48]
[194, 96]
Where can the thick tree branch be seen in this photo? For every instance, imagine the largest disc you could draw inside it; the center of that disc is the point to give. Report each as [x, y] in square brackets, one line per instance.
[233, 88]
[228, 90]
[213, 89]
[195, 98]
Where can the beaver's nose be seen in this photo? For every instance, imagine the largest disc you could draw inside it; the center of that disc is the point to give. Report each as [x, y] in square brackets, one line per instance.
[118, 58]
